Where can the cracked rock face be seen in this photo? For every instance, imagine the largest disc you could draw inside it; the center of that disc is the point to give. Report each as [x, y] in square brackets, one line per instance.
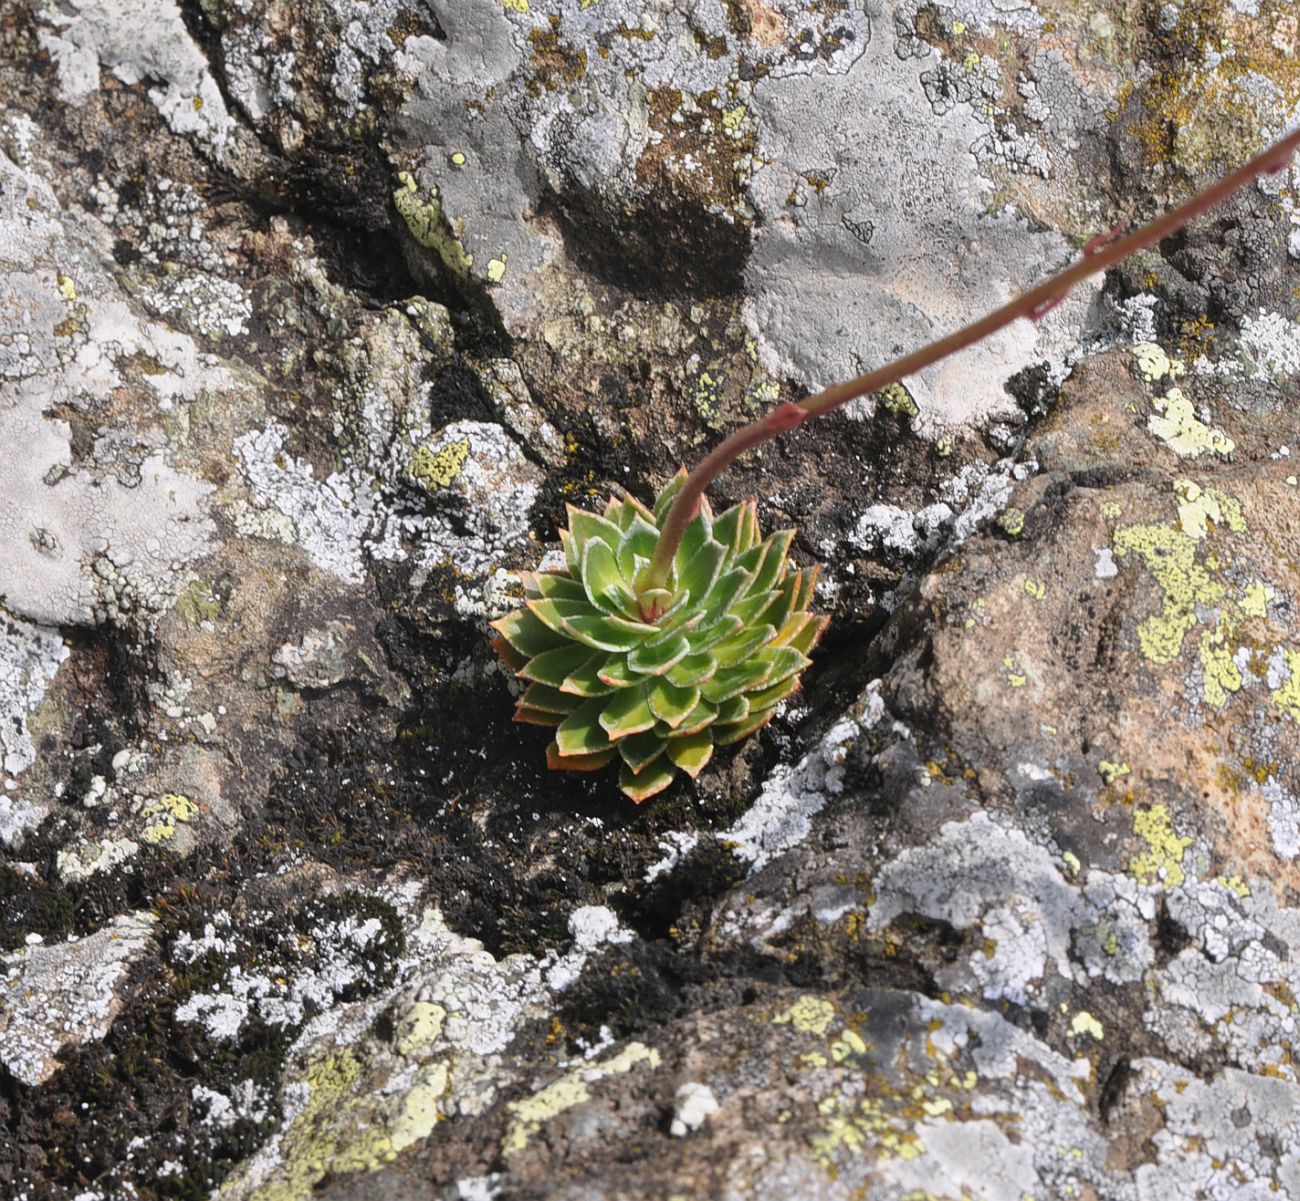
[315, 315]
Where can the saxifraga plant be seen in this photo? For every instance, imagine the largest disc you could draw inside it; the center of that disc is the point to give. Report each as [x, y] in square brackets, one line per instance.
[671, 630]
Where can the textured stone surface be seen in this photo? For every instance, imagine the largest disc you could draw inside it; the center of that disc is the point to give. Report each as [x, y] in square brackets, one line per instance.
[316, 314]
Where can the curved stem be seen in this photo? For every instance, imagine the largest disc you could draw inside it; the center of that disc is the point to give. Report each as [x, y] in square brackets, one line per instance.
[1099, 255]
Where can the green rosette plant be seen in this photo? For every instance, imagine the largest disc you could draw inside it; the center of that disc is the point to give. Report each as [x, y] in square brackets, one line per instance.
[656, 674]
[673, 631]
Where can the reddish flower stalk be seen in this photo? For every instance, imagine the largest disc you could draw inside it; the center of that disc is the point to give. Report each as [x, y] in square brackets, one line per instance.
[1100, 254]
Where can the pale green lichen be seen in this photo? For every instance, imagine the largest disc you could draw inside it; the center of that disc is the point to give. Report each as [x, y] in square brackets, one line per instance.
[434, 469]
[532, 1113]
[428, 223]
[347, 1125]
[198, 603]
[1162, 861]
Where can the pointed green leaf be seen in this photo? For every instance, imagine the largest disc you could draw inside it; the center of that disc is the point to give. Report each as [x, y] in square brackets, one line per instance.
[579, 621]
[656, 660]
[509, 656]
[750, 534]
[554, 613]
[692, 671]
[638, 750]
[536, 717]
[605, 585]
[691, 752]
[678, 620]
[727, 527]
[632, 511]
[616, 673]
[801, 631]
[584, 526]
[807, 585]
[785, 661]
[584, 680]
[664, 501]
[529, 636]
[550, 667]
[608, 633]
[697, 719]
[733, 709]
[638, 542]
[726, 735]
[730, 585]
[770, 694]
[551, 585]
[653, 778]
[752, 559]
[627, 712]
[581, 732]
[701, 570]
[557, 762]
[546, 699]
[773, 570]
[731, 681]
[741, 645]
[755, 606]
[698, 534]
[571, 553]
[669, 703]
[708, 636]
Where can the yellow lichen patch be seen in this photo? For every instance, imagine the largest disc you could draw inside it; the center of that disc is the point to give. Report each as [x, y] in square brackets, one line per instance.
[1012, 522]
[1085, 1023]
[314, 1138]
[1016, 678]
[1110, 772]
[898, 400]
[569, 1090]
[161, 817]
[419, 1027]
[706, 395]
[67, 288]
[811, 1015]
[850, 1042]
[1155, 364]
[496, 269]
[1162, 861]
[733, 118]
[427, 222]
[1169, 553]
[1175, 423]
[438, 468]
[1235, 885]
[1287, 696]
[1199, 507]
[1036, 588]
[515, 6]
[1194, 593]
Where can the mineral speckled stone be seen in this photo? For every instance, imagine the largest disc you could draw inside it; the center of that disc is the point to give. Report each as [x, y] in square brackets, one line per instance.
[319, 317]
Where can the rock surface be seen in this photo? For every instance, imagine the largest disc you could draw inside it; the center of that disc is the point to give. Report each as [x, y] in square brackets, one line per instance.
[316, 314]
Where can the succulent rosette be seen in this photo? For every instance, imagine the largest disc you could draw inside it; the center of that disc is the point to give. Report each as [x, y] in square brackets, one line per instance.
[656, 677]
